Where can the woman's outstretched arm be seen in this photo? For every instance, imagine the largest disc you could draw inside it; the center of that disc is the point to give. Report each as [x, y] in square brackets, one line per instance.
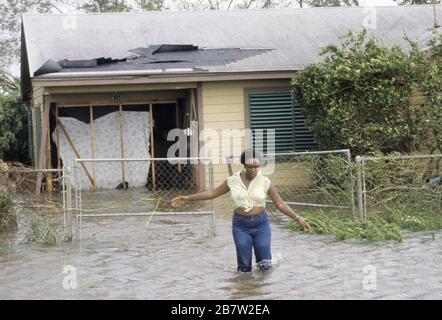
[205, 195]
[284, 208]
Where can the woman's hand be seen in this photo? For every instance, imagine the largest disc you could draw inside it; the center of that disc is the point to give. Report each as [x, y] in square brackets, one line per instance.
[179, 201]
[283, 207]
[304, 224]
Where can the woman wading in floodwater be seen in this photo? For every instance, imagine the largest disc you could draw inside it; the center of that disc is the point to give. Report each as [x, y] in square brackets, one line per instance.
[250, 223]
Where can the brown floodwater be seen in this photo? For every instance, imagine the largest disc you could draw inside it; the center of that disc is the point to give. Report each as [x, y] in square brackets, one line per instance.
[176, 258]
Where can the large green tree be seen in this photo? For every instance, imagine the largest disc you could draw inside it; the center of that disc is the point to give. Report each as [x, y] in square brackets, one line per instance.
[404, 2]
[259, 4]
[151, 5]
[13, 113]
[9, 84]
[97, 6]
[331, 3]
[10, 24]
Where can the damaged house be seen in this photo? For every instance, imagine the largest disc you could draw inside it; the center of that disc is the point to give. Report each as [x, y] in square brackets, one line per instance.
[109, 86]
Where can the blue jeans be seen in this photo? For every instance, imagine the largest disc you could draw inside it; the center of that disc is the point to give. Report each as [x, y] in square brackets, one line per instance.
[253, 232]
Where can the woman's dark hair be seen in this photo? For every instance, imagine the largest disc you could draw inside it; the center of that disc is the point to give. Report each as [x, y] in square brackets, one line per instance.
[249, 154]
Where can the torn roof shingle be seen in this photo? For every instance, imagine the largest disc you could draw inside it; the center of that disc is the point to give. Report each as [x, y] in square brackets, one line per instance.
[292, 37]
[156, 57]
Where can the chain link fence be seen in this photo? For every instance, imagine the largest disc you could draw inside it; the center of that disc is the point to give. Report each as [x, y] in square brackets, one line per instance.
[92, 190]
[410, 185]
[139, 188]
[318, 179]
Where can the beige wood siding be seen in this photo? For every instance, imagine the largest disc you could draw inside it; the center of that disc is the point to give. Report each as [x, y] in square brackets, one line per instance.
[224, 108]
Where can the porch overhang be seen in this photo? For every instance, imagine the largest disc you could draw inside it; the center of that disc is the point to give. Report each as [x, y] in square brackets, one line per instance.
[143, 77]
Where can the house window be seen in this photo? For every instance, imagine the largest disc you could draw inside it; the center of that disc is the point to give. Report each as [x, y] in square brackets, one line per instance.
[278, 110]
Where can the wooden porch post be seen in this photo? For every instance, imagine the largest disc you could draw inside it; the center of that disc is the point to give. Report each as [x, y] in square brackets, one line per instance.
[152, 147]
[122, 145]
[91, 121]
[43, 141]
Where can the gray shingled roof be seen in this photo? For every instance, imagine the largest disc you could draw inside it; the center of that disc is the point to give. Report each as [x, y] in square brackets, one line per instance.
[293, 35]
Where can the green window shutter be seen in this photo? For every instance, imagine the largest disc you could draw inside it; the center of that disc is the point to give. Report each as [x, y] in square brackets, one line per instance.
[276, 110]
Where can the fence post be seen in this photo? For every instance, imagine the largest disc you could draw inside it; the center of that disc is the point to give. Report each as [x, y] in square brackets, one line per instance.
[68, 181]
[359, 191]
[211, 185]
[78, 202]
[353, 205]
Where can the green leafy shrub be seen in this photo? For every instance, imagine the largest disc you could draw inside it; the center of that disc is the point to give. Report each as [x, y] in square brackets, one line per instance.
[13, 129]
[358, 98]
[430, 222]
[41, 231]
[8, 218]
[373, 229]
[430, 127]
[401, 185]
[332, 175]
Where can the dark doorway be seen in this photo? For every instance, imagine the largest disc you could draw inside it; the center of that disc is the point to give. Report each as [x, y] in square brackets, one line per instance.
[167, 175]
[164, 119]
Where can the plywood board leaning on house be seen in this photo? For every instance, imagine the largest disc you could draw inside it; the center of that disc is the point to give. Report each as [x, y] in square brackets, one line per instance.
[106, 144]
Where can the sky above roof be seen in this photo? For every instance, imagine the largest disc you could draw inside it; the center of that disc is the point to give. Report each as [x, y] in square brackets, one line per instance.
[224, 4]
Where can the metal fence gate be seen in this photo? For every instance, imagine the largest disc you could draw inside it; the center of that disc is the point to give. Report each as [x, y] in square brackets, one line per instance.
[407, 184]
[165, 180]
[317, 179]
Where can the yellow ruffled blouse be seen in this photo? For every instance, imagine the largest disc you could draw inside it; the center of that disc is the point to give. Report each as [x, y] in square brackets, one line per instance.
[253, 196]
